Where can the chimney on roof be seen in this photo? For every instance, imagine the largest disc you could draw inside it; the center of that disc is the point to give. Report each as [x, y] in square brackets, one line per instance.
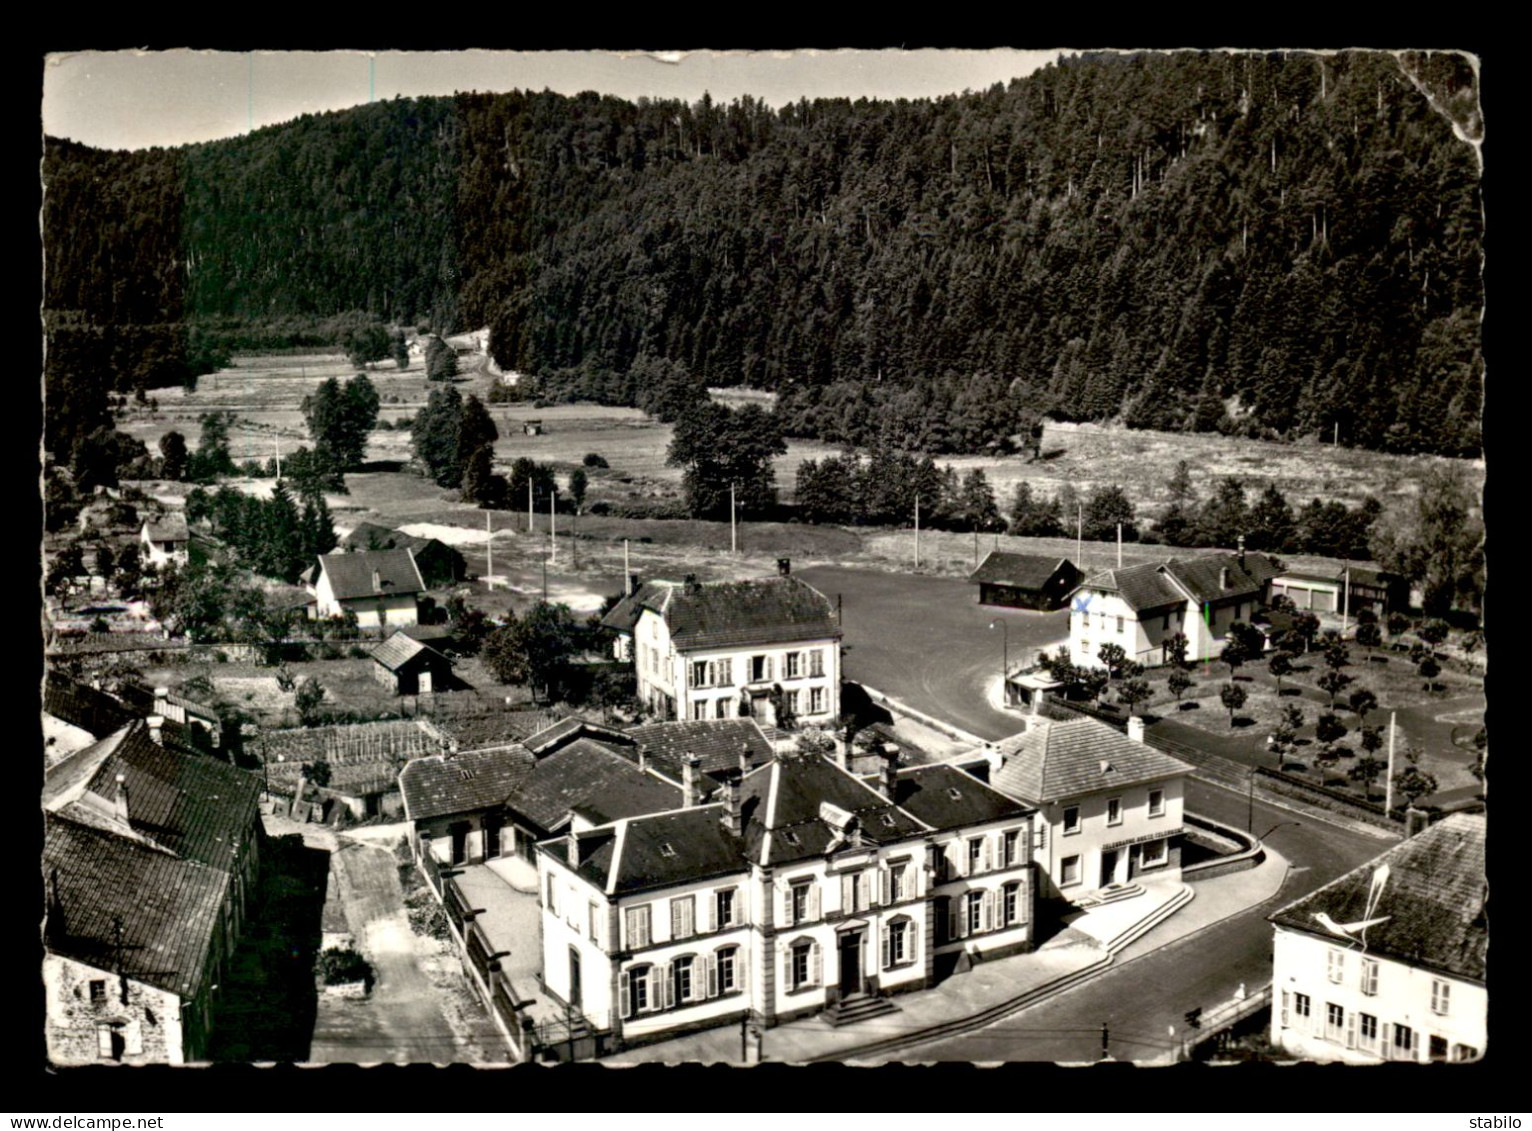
[156, 729]
[744, 758]
[784, 566]
[888, 784]
[1415, 821]
[643, 756]
[632, 584]
[1223, 577]
[120, 798]
[1136, 728]
[161, 695]
[691, 584]
[689, 784]
[377, 582]
[733, 819]
[572, 848]
[1241, 551]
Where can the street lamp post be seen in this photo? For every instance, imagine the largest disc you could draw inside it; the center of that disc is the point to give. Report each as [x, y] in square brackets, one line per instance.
[1005, 654]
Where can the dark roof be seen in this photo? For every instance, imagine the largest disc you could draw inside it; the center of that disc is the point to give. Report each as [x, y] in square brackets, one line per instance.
[493, 728]
[716, 742]
[464, 783]
[197, 807]
[168, 527]
[365, 533]
[657, 850]
[81, 705]
[167, 907]
[586, 776]
[1360, 575]
[772, 610]
[400, 648]
[565, 731]
[1142, 586]
[784, 819]
[351, 574]
[1054, 761]
[946, 797]
[1433, 897]
[1156, 585]
[1023, 571]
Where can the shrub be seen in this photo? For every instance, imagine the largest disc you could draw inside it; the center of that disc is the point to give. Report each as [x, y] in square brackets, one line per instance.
[595, 459]
[100, 624]
[338, 966]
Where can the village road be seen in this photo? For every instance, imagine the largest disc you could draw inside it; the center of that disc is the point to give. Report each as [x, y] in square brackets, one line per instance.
[403, 1021]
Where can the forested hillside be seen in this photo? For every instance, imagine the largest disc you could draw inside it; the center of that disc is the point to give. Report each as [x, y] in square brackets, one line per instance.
[1277, 245]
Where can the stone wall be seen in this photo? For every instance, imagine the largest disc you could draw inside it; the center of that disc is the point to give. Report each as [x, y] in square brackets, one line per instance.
[146, 1029]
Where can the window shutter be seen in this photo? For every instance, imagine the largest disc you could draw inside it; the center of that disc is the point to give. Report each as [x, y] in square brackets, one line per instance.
[787, 969]
[814, 964]
[624, 995]
[887, 948]
[962, 919]
[885, 894]
[668, 982]
[848, 892]
[962, 857]
[691, 676]
[952, 925]
[1285, 997]
[814, 900]
[1351, 1029]
[133, 1038]
[989, 856]
[103, 1040]
[712, 975]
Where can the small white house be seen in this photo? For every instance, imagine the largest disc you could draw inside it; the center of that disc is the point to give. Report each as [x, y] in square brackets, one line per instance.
[382, 587]
[1387, 962]
[166, 540]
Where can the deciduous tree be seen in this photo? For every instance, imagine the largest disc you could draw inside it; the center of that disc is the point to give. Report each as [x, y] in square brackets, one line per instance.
[1233, 696]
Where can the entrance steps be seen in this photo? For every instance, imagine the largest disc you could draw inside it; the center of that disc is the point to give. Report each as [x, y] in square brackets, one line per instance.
[851, 1010]
[1112, 893]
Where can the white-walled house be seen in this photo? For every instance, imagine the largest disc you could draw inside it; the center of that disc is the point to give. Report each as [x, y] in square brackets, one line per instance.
[767, 648]
[802, 889]
[1141, 607]
[382, 587]
[1387, 962]
[1109, 807]
[166, 540]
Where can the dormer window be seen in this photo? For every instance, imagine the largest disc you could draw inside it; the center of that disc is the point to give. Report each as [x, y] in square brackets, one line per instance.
[666, 849]
[954, 793]
[888, 819]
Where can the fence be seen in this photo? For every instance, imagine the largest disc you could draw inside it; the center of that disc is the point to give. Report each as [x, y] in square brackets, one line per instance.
[1217, 1027]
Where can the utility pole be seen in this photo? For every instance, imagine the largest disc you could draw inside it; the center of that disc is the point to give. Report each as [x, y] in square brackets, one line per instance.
[545, 580]
[976, 546]
[733, 536]
[1079, 535]
[529, 504]
[553, 534]
[574, 540]
[917, 531]
[627, 574]
[1250, 803]
[1119, 545]
[489, 548]
[1388, 784]
[1345, 615]
[276, 446]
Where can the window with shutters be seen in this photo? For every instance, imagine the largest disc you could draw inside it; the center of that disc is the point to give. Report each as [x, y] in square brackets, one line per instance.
[1071, 820]
[802, 902]
[1156, 802]
[1011, 903]
[1012, 847]
[855, 891]
[791, 698]
[109, 1042]
[699, 710]
[720, 708]
[725, 673]
[1435, 1051]
[1403, 1046]
[803, 965]
[973, 911]
[697, 674]
[638, 927]
[723, 907]
[817, 662]
[683, 981]
[1367, 1031]
[640, 996]
[1302, 1010]
[1335, 964]
[683, 923]
[816, 700]
[1114, 811]
[1369, 982]
[975, 856]
[1335, 1022]
[898, 943]
[898, 882]
[760, 668]
[1441, 995]
[790, 665]
[1464, 1052]
[726, 961]
[1069, 870]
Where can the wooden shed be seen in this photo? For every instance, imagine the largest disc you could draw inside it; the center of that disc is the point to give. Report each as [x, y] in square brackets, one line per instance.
[1025, 581]
[409, 667]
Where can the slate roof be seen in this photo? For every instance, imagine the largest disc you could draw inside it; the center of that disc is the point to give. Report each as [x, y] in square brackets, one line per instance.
[716, 742]
[351, 574]
[1023, 571]
[168, 907]
[68, 778]
[168, 527]
[564, 731]
[1434, 898]
[1055, 761]
[603, 785]
[197, 807]
[399, 649]
[772, 610]
[81, 705]
[1156, 585]
[657, 850]
[946, 797]
[1142, 586]
[481, 779]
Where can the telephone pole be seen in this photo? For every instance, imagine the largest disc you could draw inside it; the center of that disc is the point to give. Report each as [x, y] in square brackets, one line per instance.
[1388, 784]
[1119, 545]
[489, 548]
[553, 534]
[733, 535]
[1079, 535]
[529, 504]
[917, 531]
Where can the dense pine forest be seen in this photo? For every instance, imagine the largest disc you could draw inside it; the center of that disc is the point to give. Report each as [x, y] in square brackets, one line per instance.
[1282, 246]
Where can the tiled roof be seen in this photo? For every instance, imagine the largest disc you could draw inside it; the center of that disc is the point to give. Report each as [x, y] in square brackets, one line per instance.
[168, 527]
[946, 797]
[351, 574]
[1155, 585]
[1054, 761]
[481, 779]
[659, 850]
[783, 819]
[167, 907]
[197, 807]
[399, 649]
[716, 742]
[772, 610]
[589, 777]
[495, 728]
[564, 731]
[364, 535]
[1024, 571]
[81, 705]
[1433, 897]
[67, 779]
[1142, 586]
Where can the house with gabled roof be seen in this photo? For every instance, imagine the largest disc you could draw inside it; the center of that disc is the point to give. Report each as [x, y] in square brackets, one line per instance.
[767, 648]
[166, 540]
[781, 890]
[152, 859]
[408, 666]
[1109, 806]
[382, 587]
[1387, 962]
[1025, 581]
[1142, 607]
[439, 563]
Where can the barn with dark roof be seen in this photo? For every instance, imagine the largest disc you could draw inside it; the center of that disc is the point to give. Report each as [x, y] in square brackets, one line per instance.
[1025, 581]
